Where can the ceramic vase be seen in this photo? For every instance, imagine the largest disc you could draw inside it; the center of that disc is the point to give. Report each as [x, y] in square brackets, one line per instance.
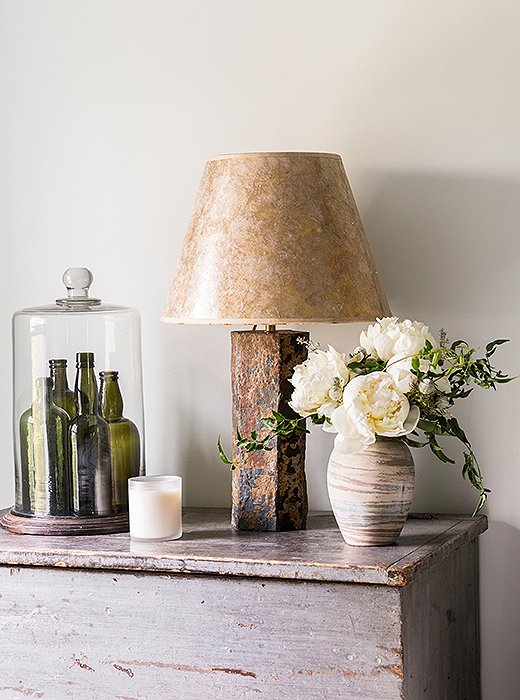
[371, 492]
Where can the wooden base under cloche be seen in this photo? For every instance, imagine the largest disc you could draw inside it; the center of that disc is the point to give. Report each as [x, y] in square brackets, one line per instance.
[56, 525]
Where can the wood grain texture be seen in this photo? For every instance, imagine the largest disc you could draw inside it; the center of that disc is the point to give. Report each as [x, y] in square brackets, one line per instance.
[69, 634]
[269, 488]
[441, 638]
[100, 617]
[211, 546]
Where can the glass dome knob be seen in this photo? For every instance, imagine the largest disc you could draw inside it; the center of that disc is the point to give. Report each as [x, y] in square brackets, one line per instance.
[78, 281]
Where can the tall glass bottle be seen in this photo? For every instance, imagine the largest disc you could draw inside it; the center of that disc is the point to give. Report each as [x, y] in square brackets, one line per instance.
[45, 471]
[61, 394]
[125, 449]
[90, 445]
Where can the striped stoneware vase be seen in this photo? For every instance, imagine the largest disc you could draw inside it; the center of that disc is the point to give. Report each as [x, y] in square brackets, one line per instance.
[370, 492]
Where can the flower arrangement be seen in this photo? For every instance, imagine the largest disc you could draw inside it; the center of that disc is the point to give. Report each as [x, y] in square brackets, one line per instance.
[399, 383]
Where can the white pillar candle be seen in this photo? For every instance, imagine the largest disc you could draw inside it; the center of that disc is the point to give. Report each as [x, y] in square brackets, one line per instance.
[155, 507]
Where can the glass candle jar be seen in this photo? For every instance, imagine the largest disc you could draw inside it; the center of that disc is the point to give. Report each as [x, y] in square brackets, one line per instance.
[155, 504]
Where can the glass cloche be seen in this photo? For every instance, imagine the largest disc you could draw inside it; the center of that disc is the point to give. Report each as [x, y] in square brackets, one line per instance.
[77, 413]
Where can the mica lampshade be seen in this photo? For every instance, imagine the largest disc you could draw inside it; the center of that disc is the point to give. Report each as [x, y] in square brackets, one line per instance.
[275, 238]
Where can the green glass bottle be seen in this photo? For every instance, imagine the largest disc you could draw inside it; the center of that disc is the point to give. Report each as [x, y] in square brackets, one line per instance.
[24, 481]
[45, 466]
[61, 394]
[125, 444]
[90, 445]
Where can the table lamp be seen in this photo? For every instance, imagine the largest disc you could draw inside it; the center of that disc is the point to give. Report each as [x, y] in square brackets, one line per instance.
[274, 239]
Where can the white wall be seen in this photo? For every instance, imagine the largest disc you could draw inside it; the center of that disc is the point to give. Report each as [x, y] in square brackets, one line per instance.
[109, 110]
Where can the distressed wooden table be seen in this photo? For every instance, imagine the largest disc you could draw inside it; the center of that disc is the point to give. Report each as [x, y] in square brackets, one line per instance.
[231, 614]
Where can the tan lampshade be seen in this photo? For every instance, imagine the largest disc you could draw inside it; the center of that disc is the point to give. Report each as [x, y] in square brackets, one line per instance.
[275, 238]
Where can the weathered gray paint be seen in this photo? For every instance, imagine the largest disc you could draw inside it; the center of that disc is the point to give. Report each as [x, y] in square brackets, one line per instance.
[104, 635]
[211, 546]
[82, 624]
[441, 629]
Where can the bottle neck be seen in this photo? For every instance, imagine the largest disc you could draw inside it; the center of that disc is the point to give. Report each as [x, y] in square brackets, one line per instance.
[59, 377]
[42, 403]
[110, 399]
[86, 391]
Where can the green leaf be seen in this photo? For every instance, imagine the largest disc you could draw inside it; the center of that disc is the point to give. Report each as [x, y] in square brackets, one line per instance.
[437, 451]
[491, 347]
[223, 457]
[278, 416]
[426, 425]
[504, 380]
[436, 356]
[413, 443]
[355, 365]
[457, 431]
[468, 463]
[481, 503]
[463, 394]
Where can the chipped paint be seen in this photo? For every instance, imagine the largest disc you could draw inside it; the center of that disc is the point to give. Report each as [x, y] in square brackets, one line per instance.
[396, 669]
[81, 663]
[188, 668]
[128, 671]
[27, 692]
[235, 671]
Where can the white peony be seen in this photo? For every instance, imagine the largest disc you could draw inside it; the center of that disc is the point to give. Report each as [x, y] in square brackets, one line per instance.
[318, 382]
[390, 337]
[372, 405]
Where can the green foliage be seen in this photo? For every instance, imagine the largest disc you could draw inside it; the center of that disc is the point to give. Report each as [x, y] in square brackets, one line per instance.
[459, 364]
[451, 427]
[277, 425]
[366, 365]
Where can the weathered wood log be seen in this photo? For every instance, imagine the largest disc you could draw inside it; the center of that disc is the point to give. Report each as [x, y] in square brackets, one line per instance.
[269, 488]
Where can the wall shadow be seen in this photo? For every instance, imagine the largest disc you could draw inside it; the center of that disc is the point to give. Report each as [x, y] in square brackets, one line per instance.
[448, 249]
[500, 611]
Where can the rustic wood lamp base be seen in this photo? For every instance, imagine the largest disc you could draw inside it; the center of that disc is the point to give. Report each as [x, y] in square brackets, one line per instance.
[63, 525]
[269, 487]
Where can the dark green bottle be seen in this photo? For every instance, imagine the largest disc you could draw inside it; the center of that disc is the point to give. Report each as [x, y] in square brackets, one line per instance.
[61, 394]
[90, 445]
[45, 467]
[125, 447]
